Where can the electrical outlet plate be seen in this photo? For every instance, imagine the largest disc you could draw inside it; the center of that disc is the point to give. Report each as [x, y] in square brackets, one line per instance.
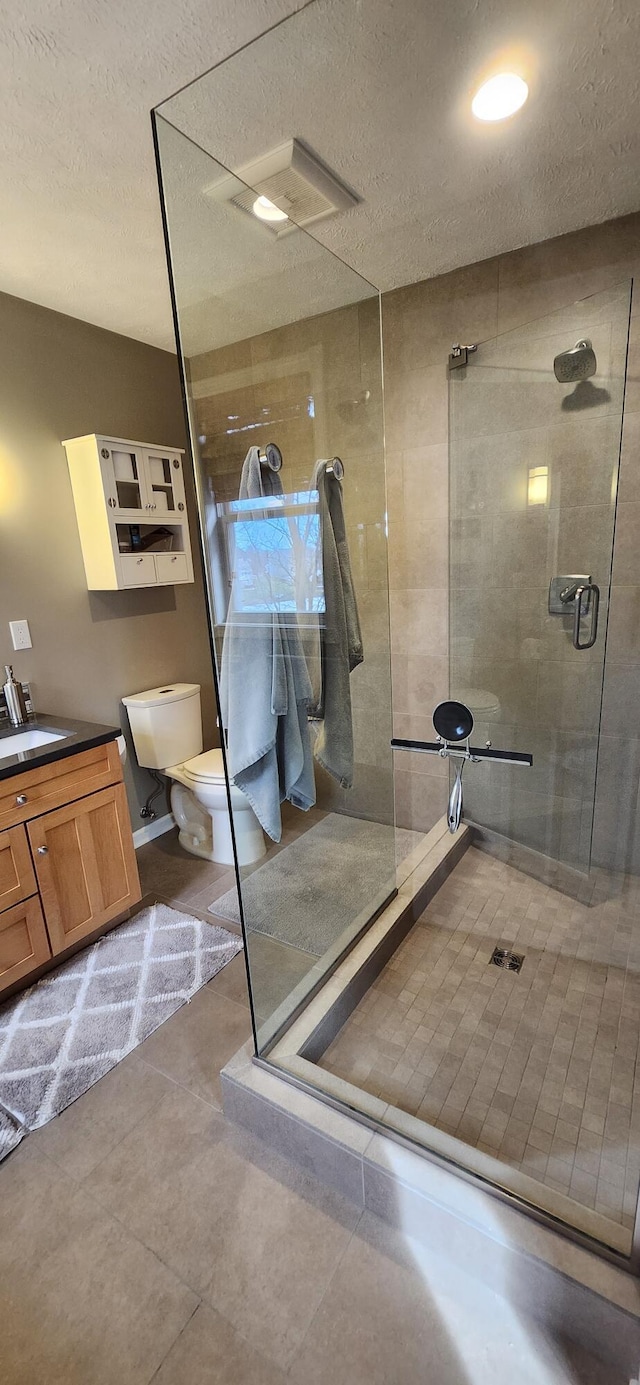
[20, 634]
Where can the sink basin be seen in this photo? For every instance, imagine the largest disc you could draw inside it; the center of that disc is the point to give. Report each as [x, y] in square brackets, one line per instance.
[27, 740]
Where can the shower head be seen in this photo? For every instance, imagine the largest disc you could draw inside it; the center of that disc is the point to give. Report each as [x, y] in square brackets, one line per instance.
[579, 363]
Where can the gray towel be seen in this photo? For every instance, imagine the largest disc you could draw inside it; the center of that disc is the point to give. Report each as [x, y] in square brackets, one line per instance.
[341, 640]
[265, 693]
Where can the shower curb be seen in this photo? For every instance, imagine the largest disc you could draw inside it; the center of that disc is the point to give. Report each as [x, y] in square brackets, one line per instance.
[559, 1283]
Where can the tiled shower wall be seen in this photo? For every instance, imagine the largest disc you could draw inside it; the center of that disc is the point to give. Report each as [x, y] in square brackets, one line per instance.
[315, 388]
[334, 359]
[420, 323]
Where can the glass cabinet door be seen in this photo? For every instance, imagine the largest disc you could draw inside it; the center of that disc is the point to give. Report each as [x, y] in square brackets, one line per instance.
[165, 487]
[124, 468]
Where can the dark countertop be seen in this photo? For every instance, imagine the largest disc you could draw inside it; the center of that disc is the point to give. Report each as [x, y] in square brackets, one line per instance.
[78, 735]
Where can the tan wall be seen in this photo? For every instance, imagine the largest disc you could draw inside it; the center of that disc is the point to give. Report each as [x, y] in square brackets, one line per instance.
[420, 322]
[60, 378]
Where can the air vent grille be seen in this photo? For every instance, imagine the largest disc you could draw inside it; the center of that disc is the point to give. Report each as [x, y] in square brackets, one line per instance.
[292, 194]
[294, 179]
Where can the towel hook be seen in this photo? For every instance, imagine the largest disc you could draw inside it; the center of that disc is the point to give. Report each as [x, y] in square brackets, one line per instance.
[271, 457]
[335, 468]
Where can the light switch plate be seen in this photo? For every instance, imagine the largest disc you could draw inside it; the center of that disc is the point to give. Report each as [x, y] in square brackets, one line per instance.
[20, 634]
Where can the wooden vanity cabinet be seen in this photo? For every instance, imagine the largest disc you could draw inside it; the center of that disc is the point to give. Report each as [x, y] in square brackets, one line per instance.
[85, 865]
[67, 860]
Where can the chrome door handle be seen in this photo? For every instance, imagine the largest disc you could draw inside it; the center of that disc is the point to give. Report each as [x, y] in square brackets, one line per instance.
[43, 851]
[590, 589]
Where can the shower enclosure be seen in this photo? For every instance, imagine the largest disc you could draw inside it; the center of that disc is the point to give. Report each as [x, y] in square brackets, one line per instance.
[371, 940]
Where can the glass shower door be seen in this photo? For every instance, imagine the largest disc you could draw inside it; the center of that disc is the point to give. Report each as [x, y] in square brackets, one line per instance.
[533, 484]
[281, 360]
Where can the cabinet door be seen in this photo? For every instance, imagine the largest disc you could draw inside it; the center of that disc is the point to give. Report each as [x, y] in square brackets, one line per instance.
[124, 477]
[85, 864]
[164, 484]
[24, 944]
[17, 880]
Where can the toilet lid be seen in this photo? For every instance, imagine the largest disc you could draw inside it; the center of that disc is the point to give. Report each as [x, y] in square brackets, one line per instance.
[209, 765]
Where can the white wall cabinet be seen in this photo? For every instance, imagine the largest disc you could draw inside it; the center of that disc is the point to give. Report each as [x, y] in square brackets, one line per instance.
[131, 510]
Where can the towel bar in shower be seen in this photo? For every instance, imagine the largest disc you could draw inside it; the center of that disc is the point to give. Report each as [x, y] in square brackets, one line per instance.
[453, 721]
[475, 752]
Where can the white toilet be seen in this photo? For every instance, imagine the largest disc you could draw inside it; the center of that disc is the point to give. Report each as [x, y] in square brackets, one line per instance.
[166, 726]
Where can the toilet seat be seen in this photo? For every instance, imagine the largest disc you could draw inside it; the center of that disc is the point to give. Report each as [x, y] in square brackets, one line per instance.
[207, 768]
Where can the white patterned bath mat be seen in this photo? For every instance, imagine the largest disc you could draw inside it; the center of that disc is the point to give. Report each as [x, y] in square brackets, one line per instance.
[67, 1031]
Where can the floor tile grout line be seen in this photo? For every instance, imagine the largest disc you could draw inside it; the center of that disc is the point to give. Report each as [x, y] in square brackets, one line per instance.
[175, 1340]
[325, 1291]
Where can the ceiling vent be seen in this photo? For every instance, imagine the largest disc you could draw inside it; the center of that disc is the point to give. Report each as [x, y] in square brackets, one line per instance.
[291, 178]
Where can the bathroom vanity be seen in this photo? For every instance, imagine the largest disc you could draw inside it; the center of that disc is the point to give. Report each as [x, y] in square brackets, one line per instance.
[67, 862]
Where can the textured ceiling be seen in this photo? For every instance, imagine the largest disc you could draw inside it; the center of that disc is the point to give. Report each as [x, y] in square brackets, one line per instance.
[379, 88]
[80, 227]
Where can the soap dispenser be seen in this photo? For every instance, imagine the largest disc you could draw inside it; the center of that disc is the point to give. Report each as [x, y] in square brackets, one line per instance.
[14, 698]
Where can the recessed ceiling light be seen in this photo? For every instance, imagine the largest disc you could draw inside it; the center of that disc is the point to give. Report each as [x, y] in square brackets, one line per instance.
[267, 211]
[500, 96]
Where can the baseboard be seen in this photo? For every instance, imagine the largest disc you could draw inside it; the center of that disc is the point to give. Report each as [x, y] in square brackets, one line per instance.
[157, 828]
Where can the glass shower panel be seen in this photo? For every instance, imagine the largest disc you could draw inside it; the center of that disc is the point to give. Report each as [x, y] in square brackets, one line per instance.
[533, 482]
[280, 346]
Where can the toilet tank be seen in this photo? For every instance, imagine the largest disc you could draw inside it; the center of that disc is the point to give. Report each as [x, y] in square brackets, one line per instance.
[166, 724]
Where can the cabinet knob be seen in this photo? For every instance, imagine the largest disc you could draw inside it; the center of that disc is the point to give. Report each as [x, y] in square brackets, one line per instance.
[173, 559]
[180, 505]
[43, 851]
[140, 560]
[21, 799]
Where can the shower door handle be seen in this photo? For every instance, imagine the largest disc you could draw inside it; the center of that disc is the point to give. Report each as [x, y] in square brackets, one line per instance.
[590, 590]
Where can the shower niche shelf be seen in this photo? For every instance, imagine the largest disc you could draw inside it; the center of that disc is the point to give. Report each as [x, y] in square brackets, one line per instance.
[131, 512]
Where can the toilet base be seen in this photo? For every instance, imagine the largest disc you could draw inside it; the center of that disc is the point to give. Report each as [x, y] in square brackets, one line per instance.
[196, 847]
[206, 832]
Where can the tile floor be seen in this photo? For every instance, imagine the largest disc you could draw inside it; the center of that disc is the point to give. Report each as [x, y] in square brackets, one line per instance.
[144, 1238]
[537, 1068]
[170, 874]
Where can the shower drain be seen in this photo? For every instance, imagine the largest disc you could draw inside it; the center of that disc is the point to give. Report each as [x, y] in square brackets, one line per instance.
[511, 961]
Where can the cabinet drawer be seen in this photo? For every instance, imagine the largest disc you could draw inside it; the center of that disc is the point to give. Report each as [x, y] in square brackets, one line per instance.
[24, 944]
[60, 782]
[138, 569]
[17, 880]
[172, 567]
[85, 865]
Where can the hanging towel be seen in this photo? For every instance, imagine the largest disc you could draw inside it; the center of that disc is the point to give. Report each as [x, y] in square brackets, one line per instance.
[341, 640]
[265, 693]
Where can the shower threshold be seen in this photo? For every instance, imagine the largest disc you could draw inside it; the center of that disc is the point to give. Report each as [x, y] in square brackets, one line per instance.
[473, 1064]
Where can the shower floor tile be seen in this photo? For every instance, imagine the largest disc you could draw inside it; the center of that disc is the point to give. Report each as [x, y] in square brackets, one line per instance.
[537, 1067]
